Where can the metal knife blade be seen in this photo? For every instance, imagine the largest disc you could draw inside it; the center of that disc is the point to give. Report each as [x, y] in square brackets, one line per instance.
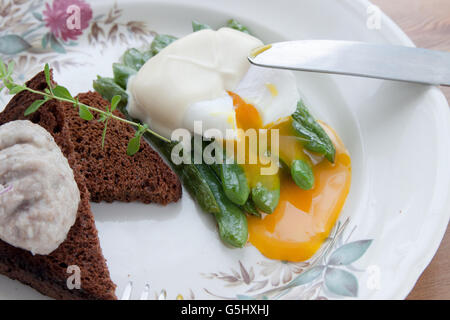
[357, 59]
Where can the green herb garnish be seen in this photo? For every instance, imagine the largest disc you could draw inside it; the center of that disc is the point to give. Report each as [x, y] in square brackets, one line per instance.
[85, 111]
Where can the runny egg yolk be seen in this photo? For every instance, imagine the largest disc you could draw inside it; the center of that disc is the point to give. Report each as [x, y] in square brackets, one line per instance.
[247, 117]
[303, 219]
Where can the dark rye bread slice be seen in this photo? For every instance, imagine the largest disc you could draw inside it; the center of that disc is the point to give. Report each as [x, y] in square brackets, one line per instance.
[48, 274]
[110, 173]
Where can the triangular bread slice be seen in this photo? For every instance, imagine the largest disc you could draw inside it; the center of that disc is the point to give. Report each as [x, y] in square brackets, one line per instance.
[112, 175]
[48, 274]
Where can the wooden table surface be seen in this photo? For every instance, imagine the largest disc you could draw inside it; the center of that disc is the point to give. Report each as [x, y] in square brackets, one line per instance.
[427, 23]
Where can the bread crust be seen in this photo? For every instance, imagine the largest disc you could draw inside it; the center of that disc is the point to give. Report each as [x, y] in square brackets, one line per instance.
[48, 274]
[112, 175]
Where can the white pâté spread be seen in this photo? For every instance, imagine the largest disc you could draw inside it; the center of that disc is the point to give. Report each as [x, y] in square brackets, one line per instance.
[38, 211]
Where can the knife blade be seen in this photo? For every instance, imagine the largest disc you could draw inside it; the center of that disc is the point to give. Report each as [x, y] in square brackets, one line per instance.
[361, 59]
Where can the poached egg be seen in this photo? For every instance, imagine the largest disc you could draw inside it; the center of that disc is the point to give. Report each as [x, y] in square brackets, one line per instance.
[206, 77]
[191, 79]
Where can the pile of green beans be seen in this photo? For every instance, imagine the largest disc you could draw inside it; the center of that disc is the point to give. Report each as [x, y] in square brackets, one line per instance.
[222, 189]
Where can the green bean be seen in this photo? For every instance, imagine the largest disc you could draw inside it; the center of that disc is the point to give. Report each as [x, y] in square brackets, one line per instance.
[302, 174]
[266, 192]
[314, 136]
[232, 176]
[122, 73]
[233, 228]
[231, 220]
[197, 26]
[301, 171]
[108, 89]
[133, 58]
[160, 42]
[250, 208]
[234, 182]
[146, 55]
[237, 26]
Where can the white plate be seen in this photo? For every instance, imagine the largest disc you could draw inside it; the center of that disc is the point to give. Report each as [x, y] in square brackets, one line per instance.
[397, 135]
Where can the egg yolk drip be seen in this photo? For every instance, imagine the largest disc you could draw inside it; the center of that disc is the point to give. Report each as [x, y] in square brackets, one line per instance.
[247, 117]
[303, 219]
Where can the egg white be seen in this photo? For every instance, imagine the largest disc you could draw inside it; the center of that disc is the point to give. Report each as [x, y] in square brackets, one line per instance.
[272, 92]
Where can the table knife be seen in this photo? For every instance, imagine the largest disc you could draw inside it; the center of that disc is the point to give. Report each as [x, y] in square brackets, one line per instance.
[390, 62]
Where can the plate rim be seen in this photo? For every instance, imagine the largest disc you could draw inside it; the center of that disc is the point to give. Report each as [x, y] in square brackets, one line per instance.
[404, 39]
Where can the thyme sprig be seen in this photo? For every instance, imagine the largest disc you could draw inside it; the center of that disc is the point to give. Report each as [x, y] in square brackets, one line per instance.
[58, 92]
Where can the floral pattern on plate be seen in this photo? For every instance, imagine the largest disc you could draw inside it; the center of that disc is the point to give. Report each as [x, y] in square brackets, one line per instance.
[330, 271]
[33, 33]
